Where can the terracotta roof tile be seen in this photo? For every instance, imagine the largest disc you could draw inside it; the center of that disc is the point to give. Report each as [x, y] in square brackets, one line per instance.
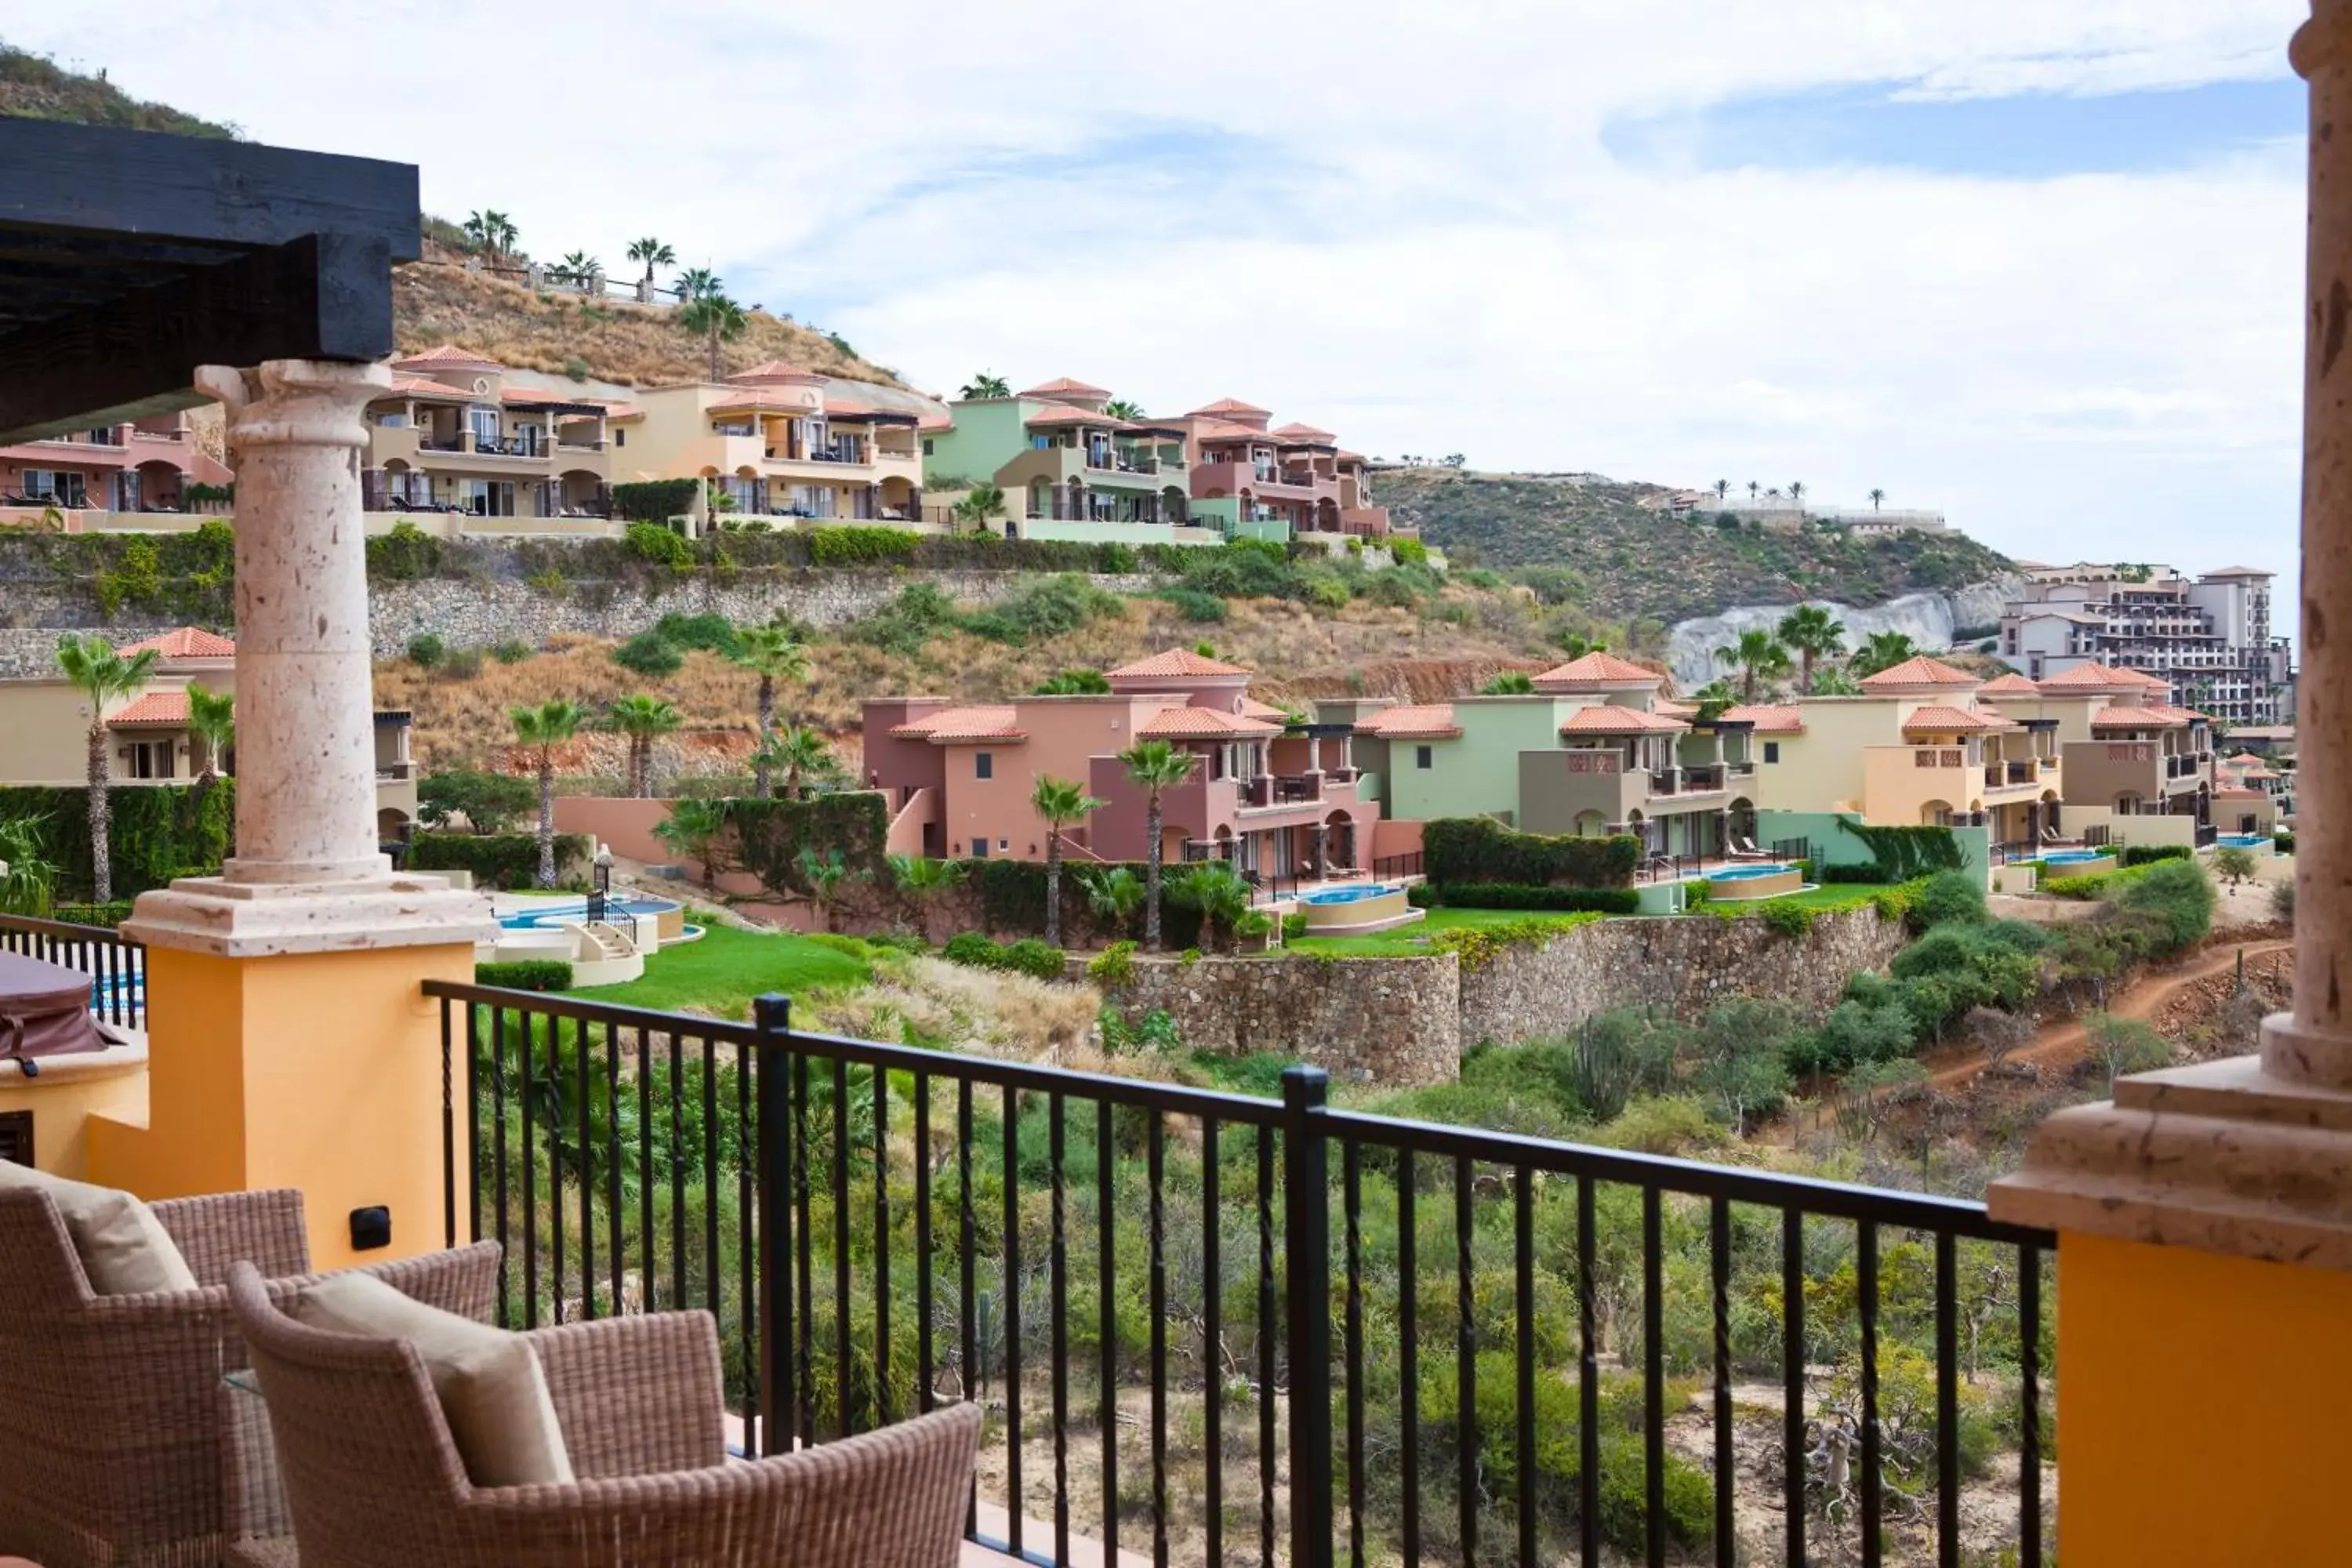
[2239, 794]
[1062, 413]
[1224, 406]
[1064, 386]
[2089, 680]
[1174, 661]
[2010, 685]
[934, 422]
[2119, 718]
[449, 356]
[185, 642]
[1919, 671]
[1766, 719]
[1304, 435]
[1425, 721]
[1232, 432]
[424, 386]
[948, 724]
[1609, 721]
[776, 370]
[1253, 708]
[1941, 718]
[1596, 669]
[1199, 723]
[155, 708]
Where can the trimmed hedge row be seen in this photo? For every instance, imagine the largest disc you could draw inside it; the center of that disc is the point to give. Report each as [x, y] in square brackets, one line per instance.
[526, 975]
[109, 915]
[1524, 896]
[496, 860]
[2149, 854]
[1478, 849]
[654, 501]
[1027, 956]
[153, 835]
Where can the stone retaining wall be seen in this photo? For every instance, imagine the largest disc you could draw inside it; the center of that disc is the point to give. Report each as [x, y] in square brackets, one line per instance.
[1381, 1020]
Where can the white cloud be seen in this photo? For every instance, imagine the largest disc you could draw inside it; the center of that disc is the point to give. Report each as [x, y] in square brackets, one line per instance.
[1395, 219]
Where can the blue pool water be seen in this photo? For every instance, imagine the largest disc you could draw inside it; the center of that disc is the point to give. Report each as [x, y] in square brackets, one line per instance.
[2073, 857]
[2244, 840]
[1744, 873]
[556, 911]
[1346, 895]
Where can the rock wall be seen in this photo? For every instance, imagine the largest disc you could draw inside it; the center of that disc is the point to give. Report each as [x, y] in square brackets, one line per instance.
[1405, 1021]
[1376, 1020]
[1927, 619]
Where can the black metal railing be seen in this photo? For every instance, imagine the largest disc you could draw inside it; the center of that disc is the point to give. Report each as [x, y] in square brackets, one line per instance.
[1236, 1327]
[1397, 864]
[116, 965]
[1793, 849]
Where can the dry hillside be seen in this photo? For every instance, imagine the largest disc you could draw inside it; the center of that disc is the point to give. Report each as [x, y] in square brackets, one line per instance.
[33, 87]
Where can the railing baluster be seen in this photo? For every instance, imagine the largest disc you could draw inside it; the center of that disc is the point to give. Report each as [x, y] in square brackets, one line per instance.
[804, 1237]
[1719, 1258]
[2029, 1367]
[474, 1122]
[1057, 1270]
[926, 1367]
[1212, 1336]
[677, 1172]
[1352, 1200]
[1865, 1284]
[499, 1155]
[969, 1352]
[615, 1206]
[648, 1243]
[1948, 1405]
[1523, 1305]
[1792, 1380]
[556, 1238]
[844, 1352]
[1265, 1336]
[1307, 1255]
[1588, 1384]
[1009, 1311]
[588, 1173]
[1465, 1364]
[750, 1302]
[1408, 1362]
[710, 1283]
[773, 1015]
[1156, 1163]
[524, 1094]
[1106, 1264]
[883, 1416]
[1653, 1377]
[448, 1135]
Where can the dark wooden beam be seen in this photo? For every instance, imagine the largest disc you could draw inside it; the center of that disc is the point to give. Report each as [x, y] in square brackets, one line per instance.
[315, 298]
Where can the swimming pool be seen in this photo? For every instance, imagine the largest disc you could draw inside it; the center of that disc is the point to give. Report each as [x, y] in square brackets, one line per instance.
[1744, 873]
[2245, 840]
[555, 911]
[2073, 857]
[1347, 895]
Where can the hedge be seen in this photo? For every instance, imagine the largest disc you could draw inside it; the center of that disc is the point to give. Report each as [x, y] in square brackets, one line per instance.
[1522, 896]
[2149, 854]
[526, 975]
[1013, 898]
[766, 837]
[151, 836]
[654, 501]
[2282, 841]
[1478, 849]
[862, 546]
[1026, 956]
[109, 914]
[496, 860]
[1905, 854]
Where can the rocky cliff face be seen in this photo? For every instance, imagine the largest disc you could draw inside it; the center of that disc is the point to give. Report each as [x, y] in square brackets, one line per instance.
[1927, 619]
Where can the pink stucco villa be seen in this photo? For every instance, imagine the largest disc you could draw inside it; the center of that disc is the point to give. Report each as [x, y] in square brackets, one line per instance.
[1293, 474]
[143, 465]
[1278, 799]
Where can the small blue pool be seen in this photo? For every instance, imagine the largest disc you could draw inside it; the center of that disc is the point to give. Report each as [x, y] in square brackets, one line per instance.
[1744, 873]
[1347, 895]
[556, 911]
[2073, 857]
[2244, 840]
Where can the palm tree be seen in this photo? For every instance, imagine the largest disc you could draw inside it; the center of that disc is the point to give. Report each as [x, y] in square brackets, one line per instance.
[1875, 497]
[653, 253]
[1814, 634]
[641, 718]
[27, 876]
[719, 321]
[93, 668]
[580, 266]
[1576, 645]
[770, 653]
[1722, 489]
[1881, 650]
[1752, 489]
[1510, 683]
[1215, 889]
[1154, 766]
[799, 751]
[494, 232]
[1797, 492]
[544, 727]
[979, 503]
[1758, 656]
[1125, 409]
[212, 719]
[922, 878]
[1073, 683]
[1060, 802]
[824, 874]
[1113, 893]
[1773, 493]
[695, 829]
[1831, 681]
[987, 384]
[696, 282]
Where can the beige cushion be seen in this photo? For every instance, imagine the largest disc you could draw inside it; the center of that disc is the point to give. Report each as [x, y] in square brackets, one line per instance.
[492, 1392]
[124, 1248]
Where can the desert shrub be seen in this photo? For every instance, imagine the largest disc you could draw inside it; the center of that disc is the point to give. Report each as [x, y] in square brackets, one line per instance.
[511, 651]
[2283, 900]
[461, 663]
[1947, 897]
[1045, 607]
[1786, 917]
[1662, 1124]
[649, 654]
[862, 546]
[1027, 956]
[2125, 1046]
[1521, 896]
[712, 633]
[489, 802]
[1855, 1032]
[1478, 849]
[526, 975]
[403, 555]
[1408, 551]
[1114, 966]
[2149, 854]
[660, 545]
[426, 650]
[1996, 1032]
[1193, 605]
[2179, 894]
[2234, 864]
[919, 613]
[1245, 569]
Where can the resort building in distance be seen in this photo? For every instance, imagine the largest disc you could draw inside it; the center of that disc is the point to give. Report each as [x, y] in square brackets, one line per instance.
[141, 467]
[2210, 637]
[457, 436]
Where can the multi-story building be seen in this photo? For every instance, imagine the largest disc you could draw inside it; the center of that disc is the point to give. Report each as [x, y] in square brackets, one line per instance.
[2210, 636]
[458, 433]
[780, 441]
[45, 728]
[1069, 470]
[1269, 483]
[145, 466]
[1276, 798]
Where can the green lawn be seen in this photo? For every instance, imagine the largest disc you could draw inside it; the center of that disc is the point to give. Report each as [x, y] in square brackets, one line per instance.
[1827, 896]
[1410, 941]
[720, 973]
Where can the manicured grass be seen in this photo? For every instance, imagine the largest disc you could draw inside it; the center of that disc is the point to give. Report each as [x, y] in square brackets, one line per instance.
[1410, 941]
[1827, 896]
[720, 973]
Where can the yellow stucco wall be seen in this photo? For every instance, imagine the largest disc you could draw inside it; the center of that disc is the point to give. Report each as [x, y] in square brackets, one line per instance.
[63, 1100]
[2170, 1456]
[320, 1071]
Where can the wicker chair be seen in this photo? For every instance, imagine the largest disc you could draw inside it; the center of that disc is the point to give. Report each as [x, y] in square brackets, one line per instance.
[124, 1450]
[374, 1481]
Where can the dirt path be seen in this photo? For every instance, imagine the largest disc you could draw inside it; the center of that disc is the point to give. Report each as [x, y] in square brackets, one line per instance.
[2062, 1044]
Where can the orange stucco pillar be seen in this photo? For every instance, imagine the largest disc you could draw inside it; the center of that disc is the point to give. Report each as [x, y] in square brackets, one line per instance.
[2205, 1217]
[288, 1042]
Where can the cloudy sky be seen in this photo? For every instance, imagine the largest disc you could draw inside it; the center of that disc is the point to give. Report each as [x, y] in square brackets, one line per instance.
[2036, 262]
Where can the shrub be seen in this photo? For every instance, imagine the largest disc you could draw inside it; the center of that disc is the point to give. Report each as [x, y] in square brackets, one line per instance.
[2125, 1046]
[1422, 895]
[649, 654]
[1867, 871]
[710, 632]
[1856, 1032]
[2176, 893]
[1205, 609]
[1479, 849]
[489, 802]
[971, 947]
[1044, 608]
[661, 544]
[1408, 551]
[1903, 853]
[862, 546]
[1947, 897]
[2283, 900]
[1520, 896]
[426, 650]
[1027, 956]
[526, 975]
[1157, 1032]
[919, 613]
[152, 841]
[405, 555]
[1114, 966]
[1786, 917]
[1293, 925]
[654, 501]
[2084, 888]
[496, 860]
[2234, 864]
[2282, 841]
[109, 914]
[512, 651]
[1481, 945]
[462, 663]
[1663, 1124]
[2149, 854]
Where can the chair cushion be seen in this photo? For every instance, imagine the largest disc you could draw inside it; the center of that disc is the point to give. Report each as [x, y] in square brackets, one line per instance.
[124, 1248]
[492, 1391]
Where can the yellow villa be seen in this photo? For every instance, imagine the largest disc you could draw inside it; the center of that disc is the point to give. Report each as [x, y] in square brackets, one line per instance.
[781, 442]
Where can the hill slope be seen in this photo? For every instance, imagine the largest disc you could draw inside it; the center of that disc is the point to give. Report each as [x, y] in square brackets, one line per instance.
[1636, 563]
[33, 87]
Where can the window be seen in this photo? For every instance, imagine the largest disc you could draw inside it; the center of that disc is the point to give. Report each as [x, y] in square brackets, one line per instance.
[487, 498]
[930, 446]
[67, 490]
[620, 437]
[984, 764]
[980, 848]
[1423, 757]
[149, 759]
[1772, 751]
[485, 423]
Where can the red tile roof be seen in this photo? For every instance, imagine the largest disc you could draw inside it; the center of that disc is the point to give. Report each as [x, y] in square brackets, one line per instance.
[1432, 721]
[776, 370]
[1766, 719]
[1063, 386]
[1202, 724]
[1232, 432]
[2119, 718]
[1596, 669]
[423, 386]
[1253, 709]
[931, 422]
[1179, 661]
[1919, 671]
[1224, 405]
[1947, 719]
[1304, 435]
[1062, 413]
[155, 708]
[1609, 721]
[183, 642]
[951, 725]
[2089, 680]
[547, 395]
[2010, 685]
[449, 356]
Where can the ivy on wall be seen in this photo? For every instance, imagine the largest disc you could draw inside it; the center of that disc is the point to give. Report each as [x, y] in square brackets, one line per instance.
[1903, 853]
[153, 836]
[1479, 849]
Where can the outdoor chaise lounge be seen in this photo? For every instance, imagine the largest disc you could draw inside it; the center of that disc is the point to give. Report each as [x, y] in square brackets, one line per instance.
[374, 1477]
[1743, 848]
[124, 1392]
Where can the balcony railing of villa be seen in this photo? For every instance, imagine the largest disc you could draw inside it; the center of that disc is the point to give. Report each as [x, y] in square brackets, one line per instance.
[1698, 780]
[1939, 757]
[1293, 788]
[430, 443]
[596, 445]
[117, 966]
[1272, 1328]
[391, 773]
[1666, 781]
